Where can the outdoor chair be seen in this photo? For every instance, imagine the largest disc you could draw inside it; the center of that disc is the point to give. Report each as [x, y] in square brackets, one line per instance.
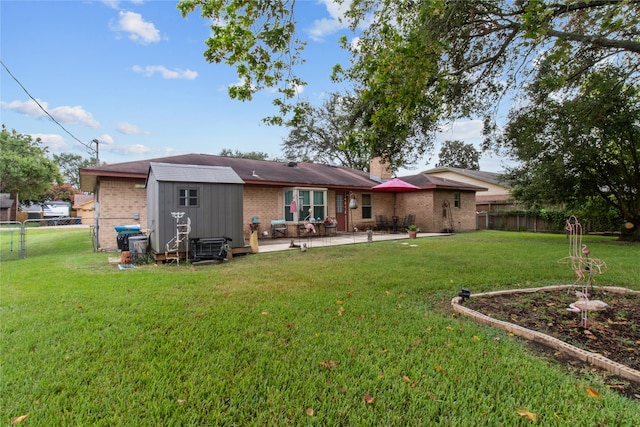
[408, 220]
[382, 223]
[330, 225]
[279, 228]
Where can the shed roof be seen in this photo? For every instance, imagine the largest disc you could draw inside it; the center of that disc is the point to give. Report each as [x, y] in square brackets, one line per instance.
[194, 173]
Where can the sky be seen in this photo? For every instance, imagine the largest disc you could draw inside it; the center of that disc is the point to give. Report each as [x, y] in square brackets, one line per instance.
[132, 75]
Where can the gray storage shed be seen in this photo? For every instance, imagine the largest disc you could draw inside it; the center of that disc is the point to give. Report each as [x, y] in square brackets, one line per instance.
[210, 196]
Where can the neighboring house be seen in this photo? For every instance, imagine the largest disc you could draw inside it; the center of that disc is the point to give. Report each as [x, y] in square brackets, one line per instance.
[268, 190]
[33, 211]
[6, 203]
[83, 208]
[498, 194]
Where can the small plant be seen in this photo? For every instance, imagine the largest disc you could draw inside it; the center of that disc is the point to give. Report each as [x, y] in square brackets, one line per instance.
[412, 227]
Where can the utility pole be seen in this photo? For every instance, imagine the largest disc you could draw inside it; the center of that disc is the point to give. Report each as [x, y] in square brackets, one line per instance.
[95, 141]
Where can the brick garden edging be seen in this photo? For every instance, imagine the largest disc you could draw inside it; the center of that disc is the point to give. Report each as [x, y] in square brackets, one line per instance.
[583, 355]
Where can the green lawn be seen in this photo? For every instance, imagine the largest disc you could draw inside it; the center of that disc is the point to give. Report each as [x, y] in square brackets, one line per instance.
[348, 335]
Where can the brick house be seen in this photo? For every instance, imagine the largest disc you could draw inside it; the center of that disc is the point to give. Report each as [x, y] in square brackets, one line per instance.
[270, 188]
[83, 208]
[498, 195]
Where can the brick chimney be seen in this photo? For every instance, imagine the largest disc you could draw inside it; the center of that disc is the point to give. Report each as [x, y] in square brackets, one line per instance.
[378, 169]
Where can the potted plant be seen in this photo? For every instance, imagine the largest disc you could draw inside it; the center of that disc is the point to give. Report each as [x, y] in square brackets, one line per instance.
[413, 231]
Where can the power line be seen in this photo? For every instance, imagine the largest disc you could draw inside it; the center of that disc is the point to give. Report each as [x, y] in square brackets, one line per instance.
[89, 147]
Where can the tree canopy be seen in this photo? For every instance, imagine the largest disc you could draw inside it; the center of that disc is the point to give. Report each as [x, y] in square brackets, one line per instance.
[579, 147]
[419, 62]
[255, 155]
[457, 154]
[25, 169]
[322, 134]
[70, 165]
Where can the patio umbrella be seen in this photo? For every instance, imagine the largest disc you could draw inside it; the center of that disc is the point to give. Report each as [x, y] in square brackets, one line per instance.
[395, 185]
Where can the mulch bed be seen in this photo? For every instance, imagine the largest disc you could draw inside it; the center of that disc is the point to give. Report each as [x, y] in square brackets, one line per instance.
[613, 333]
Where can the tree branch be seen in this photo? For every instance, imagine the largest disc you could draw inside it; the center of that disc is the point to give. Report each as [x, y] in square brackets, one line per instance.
[626, 45]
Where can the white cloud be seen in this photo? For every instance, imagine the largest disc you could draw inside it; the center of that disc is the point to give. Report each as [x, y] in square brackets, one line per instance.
[335, 22]
[461, 131]
[105, 139]
[240, 82]
[51, 140]
[298, 88]
[139, 30]
[113, 4]
[29, 108]
[166, 73]
[65, 114]
[323, 27]
[128, 129]
[135, 151]
[74, 115]
[354, 45]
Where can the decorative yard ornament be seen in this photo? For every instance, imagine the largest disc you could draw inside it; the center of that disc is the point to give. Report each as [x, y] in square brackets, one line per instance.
[465, 294]
[172, 249]
[584, 267]
[353, 203]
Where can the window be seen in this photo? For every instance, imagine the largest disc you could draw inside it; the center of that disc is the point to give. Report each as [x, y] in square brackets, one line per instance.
[188, 197]
[366, 206]
[305, 200]
[456, 200]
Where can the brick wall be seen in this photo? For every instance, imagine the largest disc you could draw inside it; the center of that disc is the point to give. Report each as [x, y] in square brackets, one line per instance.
[418, 203]
[464, 217]
[266, 203]
[427, 207]
[119, 201]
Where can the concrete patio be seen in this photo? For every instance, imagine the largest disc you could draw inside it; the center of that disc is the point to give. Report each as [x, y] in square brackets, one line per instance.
[284, 244]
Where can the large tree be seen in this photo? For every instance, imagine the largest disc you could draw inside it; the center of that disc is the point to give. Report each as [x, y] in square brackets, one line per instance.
[576, 146]
[64, 192]
[457, 154]
[322, 135]
[255, 155]
[70, 165]
[25, 169]
[418, 62]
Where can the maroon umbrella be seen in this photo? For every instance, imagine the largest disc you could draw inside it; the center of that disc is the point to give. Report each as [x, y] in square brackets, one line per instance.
[395, 185]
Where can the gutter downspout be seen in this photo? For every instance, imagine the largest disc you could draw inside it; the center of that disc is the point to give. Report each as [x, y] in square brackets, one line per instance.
[96, 214]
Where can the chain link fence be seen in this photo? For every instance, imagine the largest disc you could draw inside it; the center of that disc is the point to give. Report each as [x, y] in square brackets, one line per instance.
[14, 234]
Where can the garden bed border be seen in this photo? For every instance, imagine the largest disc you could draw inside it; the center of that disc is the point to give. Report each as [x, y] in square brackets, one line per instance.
[598, 360]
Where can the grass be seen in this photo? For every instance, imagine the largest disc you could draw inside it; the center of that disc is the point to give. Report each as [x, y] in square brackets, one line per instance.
[347, 335]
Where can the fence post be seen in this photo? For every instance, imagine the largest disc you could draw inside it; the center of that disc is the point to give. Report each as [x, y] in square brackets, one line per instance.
[23, 241]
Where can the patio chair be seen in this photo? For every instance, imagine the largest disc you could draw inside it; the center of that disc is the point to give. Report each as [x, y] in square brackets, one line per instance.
[330, 225]
[408, 220]
[279, 228]
[382, 223]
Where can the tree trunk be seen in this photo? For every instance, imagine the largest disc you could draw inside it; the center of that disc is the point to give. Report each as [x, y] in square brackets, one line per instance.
[14, 214]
